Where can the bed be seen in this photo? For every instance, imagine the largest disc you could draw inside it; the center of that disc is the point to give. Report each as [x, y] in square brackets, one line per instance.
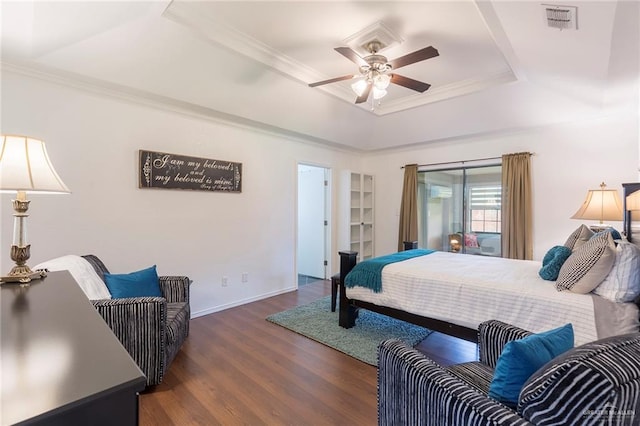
[453, 293]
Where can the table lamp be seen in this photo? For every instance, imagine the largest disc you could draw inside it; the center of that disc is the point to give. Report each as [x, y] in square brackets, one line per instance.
[25, 167]
[600, 204]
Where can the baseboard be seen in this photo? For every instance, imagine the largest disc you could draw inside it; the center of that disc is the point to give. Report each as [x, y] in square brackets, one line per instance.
[240, 302]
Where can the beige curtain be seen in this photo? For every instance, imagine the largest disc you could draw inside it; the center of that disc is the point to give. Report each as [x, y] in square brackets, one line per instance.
[409, 207]
[517, 208]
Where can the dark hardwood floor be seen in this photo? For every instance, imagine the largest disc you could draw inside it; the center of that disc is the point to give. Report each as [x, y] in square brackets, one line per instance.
[236, 368]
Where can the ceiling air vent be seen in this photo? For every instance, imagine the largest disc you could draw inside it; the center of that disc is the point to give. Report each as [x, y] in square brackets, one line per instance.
[561, 17]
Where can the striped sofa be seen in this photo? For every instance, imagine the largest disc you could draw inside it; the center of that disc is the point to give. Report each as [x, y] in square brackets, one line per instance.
[151, 329]
[595, 384]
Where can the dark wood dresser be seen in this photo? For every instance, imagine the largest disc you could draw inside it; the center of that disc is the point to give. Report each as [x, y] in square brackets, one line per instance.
[60, 364]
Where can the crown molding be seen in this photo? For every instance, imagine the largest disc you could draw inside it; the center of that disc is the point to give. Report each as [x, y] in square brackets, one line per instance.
[441, 93]
[164, 103]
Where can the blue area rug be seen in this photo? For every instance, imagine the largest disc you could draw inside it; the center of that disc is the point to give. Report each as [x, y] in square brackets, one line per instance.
[316, 321]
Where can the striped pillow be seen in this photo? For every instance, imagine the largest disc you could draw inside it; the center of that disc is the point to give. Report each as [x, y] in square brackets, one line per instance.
[588, 265]
[623, 282]
[578, 237]
[595, 384]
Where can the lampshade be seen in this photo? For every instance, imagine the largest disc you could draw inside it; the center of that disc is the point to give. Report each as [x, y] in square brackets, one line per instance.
[378, 93]
[633, 201]
[381, 81]
[25, 166]
[600, 204]
[359, 86]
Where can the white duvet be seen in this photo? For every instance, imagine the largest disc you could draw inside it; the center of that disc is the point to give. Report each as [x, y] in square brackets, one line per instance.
[467, 290]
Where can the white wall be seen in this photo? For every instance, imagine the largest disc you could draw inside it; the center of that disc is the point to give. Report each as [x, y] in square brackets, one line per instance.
[569, 160]
[93, 142]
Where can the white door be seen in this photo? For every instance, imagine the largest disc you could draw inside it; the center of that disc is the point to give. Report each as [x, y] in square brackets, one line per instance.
[312, 221]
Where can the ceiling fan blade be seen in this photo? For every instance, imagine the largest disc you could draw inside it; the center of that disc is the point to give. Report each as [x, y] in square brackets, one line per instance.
[365, 95]
[417, 56]
[409, 83]
[331, 80]
[351, 55]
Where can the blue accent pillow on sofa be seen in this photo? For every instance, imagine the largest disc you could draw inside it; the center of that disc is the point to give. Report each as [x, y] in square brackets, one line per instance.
[553, 261]
[143, 283]
[521, 358]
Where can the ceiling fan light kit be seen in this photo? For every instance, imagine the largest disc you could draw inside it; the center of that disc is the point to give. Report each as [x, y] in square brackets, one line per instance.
[378, 93]
[379, 80]
[376, 71]
[359, 86]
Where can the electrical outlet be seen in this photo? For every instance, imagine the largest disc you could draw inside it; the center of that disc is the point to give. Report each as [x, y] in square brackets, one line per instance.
[245, 277]
[225, 281]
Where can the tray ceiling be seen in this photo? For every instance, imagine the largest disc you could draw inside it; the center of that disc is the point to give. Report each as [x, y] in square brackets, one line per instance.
[500, 67]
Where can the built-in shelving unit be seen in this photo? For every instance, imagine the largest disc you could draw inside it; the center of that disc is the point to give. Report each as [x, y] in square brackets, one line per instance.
[361, 200]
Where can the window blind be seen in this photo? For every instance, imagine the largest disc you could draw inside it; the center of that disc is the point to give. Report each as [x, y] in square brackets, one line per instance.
[485, 197]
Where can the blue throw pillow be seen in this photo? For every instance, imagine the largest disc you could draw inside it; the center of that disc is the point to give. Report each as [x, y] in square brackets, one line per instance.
[614, 233]
[136, 284]
[521, 358]
[553, 261]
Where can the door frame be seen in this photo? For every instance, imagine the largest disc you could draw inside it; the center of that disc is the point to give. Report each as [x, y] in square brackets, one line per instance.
[327, 214]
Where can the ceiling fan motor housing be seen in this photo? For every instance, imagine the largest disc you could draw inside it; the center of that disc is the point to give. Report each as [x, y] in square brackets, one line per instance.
[376, 60]
[377, 63]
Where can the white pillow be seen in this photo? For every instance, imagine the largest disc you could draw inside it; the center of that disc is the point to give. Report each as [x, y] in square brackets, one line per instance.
[82, 271]
[623, 282]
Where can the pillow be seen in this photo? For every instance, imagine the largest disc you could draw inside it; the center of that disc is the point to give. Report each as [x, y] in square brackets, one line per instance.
[553, 261]
[588, 265]
[614, 233]
[143, 283]
[471, 240]
[579, 237]
[521, 358]
[81, 271]
[590, 385]
[623, 282]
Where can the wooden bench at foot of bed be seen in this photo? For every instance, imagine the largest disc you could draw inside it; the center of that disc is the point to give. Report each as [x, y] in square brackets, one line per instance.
[348, 309]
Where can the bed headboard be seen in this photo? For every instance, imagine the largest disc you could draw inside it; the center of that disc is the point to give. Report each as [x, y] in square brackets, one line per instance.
[629, 216]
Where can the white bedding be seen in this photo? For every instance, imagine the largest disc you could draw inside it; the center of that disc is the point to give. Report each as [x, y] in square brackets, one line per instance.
[467, 290]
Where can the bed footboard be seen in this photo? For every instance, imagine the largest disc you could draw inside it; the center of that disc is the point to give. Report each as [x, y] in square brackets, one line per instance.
[347, 312]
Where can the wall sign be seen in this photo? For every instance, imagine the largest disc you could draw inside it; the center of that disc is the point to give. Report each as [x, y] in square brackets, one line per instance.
[171, 171]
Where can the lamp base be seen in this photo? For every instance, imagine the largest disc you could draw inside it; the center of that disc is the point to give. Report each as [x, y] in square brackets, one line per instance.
[21, 273]
[22, 277]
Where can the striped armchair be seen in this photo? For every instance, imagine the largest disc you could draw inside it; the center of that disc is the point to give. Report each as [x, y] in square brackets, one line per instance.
[151, 329]
[596, 384]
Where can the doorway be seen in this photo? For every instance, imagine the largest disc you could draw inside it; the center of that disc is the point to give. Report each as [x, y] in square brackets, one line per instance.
[313, 223]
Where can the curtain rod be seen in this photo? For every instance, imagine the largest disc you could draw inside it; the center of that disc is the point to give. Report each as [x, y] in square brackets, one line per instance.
[465, 161]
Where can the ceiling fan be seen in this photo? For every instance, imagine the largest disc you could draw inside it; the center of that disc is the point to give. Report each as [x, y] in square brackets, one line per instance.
[376, 71]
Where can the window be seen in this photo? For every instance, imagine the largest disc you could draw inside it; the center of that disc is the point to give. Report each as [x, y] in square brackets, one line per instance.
[459, 209]
[484, 208]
